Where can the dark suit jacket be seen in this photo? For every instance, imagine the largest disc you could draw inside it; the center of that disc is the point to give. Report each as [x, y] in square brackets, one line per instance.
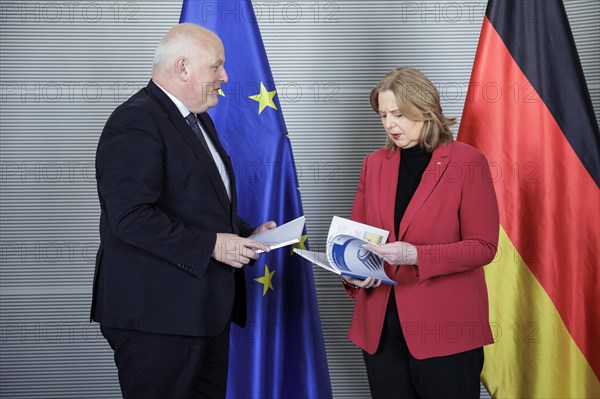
[162, 202]
[453, 221]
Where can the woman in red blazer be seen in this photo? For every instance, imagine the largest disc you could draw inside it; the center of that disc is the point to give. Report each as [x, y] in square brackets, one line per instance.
[424, 337]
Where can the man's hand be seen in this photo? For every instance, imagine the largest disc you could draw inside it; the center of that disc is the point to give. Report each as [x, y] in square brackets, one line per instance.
[264, 227]
[236, 251]
[395, 253]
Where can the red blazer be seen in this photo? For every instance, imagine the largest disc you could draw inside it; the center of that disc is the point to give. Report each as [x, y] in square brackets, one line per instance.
[453, 221]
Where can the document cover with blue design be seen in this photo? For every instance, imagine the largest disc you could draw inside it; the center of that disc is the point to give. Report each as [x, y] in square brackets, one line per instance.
[344, 252]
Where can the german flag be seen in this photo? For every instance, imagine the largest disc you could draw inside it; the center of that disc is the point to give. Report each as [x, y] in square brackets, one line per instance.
[529, 111]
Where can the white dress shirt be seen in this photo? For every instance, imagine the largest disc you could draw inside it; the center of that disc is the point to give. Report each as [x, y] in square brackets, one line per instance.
[213, 150]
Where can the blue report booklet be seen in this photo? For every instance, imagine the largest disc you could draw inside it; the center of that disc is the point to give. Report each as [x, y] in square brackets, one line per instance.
[344, 253]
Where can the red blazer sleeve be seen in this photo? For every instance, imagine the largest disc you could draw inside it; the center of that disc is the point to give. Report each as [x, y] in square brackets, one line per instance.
[358, 214]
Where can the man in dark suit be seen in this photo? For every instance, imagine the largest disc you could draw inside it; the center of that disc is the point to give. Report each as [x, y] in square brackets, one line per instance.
[169, 271]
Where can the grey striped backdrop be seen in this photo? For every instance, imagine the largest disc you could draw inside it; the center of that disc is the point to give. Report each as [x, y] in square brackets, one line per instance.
[65, 66]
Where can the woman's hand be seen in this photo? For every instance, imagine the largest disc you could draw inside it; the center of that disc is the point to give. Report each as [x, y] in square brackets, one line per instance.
[395, 253]
[369, 282]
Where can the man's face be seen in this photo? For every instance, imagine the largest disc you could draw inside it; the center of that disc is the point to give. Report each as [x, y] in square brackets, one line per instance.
[206, 73]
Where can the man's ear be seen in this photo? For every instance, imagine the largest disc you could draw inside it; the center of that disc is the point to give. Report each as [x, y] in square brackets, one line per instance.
[181, 68]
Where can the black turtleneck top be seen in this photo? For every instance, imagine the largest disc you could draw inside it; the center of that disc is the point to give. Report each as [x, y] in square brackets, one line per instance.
[413, 162]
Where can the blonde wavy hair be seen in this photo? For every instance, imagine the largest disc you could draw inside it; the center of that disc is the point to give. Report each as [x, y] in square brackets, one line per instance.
[418, 100]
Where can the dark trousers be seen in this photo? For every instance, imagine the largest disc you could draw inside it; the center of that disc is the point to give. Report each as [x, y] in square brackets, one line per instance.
[394, 373]
[165, 366]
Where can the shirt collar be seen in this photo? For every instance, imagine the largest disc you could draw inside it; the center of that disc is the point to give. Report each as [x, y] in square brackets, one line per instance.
[184, 111]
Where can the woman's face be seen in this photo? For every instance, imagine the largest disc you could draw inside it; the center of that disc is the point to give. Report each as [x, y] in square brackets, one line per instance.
[402, 131]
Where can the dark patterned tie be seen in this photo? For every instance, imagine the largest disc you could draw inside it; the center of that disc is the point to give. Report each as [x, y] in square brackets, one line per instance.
[193, 122]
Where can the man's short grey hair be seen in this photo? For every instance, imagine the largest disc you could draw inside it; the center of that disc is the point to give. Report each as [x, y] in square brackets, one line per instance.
[184, 42]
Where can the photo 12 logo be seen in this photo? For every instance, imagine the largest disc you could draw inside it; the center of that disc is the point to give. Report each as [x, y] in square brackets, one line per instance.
[235, 11]
[68, 12]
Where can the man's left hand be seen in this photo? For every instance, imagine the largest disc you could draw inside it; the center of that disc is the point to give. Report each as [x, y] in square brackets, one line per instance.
[270, 225]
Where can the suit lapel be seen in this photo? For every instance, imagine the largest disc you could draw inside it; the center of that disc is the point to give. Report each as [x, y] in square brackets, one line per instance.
[387, 191]
[431, 177]
[209, 127]
[185, 131]
[210, 130]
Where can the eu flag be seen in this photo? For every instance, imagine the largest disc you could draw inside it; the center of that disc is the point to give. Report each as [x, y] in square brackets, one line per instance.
[280, 353]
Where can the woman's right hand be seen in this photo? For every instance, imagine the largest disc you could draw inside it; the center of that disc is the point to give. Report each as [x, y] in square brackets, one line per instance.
[395, 253]
[369, 282]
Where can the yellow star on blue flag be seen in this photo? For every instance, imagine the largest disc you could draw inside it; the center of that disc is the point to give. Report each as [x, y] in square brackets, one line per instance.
[300, 244]
[264, 98]
[266, 280]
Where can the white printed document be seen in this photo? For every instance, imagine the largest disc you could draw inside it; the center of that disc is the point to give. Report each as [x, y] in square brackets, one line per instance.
[281, 236]
[344, 253]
